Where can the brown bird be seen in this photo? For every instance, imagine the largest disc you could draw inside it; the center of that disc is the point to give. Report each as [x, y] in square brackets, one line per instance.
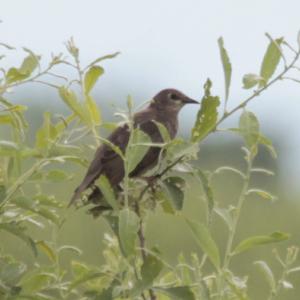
[164, 108]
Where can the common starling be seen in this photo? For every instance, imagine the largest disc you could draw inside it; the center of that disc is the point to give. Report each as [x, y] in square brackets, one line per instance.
[164, 108]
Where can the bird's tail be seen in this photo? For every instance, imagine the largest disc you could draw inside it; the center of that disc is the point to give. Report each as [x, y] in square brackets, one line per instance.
[76, 196]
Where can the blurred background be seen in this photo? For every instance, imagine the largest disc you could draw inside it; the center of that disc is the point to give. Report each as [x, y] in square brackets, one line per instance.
[173, 43]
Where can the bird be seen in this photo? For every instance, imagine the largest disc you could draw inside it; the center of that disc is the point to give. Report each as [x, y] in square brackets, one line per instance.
[164, 109]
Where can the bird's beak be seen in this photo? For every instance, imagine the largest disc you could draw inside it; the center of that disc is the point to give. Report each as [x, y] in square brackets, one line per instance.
[190, 101]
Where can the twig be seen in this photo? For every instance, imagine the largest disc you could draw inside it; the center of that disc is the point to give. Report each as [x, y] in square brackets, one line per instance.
[257, 93]
[158, 176]
[45, 83]
[21, 180]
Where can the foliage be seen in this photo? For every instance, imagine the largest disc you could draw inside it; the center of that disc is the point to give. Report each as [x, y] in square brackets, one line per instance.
[132, 270]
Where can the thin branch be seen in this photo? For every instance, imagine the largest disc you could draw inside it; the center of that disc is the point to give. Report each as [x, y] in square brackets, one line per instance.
[291, 78]
[158, 176]
[258, 92]
[290, 47]
[45, 83]
[57, 76]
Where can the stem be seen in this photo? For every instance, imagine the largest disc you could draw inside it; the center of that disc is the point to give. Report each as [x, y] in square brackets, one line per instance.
[257, 93]
[85, 96]
[142, 240]
[275, 293]
[141, 234]
[158, 176]
[232, 233]
[21, 180]
[238, 209]
[247, 100]
[32, 79]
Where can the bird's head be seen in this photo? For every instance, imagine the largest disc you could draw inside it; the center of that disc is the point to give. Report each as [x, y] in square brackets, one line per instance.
[171, 100]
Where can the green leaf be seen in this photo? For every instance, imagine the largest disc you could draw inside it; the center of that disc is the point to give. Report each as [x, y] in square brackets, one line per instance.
[249, 129]
[11, 271]
[57, 175]
[47, 250]
[48, 214]
[135, 151]
[162, 196]
[293, 270]
[237, 285]
[29, 64]
[185, 271]
[6, 119]
[150, 270]
[129, 224]
[207, 189]
[85, 278]
[207, 115]
[69, 97]
[175, 188]
[93, 110]
[8, 148]
[177, 293]
[205, 241]
[268, 144]
[264, 194]
[225, 215]
[179, 147]
[32, 205]
[255, 241]
[36, 282]
[70, 248]
[107, 191]
[46, 134]
[263, 171]
[268, 274]
[109, 56]
[226, 67]
[163, 131]
[25, 203]
[79, 269]
[287, 285]
[230, 169]
[19, 231]
[18, 120]
[91, 77]
[115, 148]
[48, 200]
[251, 80]
[271, 59]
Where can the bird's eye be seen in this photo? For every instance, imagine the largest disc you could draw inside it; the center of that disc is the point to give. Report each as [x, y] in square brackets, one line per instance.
[174, 97]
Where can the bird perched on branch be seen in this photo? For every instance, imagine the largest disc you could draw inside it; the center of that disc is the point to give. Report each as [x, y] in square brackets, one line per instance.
[164, 109]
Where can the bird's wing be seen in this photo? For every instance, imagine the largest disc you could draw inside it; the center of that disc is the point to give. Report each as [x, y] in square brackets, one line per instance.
[104, 155]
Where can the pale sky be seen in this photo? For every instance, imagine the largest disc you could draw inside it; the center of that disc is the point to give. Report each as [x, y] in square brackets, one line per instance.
[168, 43]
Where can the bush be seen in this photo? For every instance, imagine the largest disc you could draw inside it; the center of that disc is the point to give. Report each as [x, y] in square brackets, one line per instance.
[132, 270]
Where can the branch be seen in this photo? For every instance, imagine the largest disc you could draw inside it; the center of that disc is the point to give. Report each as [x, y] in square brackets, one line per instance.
[258, 92]
[141, 236]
